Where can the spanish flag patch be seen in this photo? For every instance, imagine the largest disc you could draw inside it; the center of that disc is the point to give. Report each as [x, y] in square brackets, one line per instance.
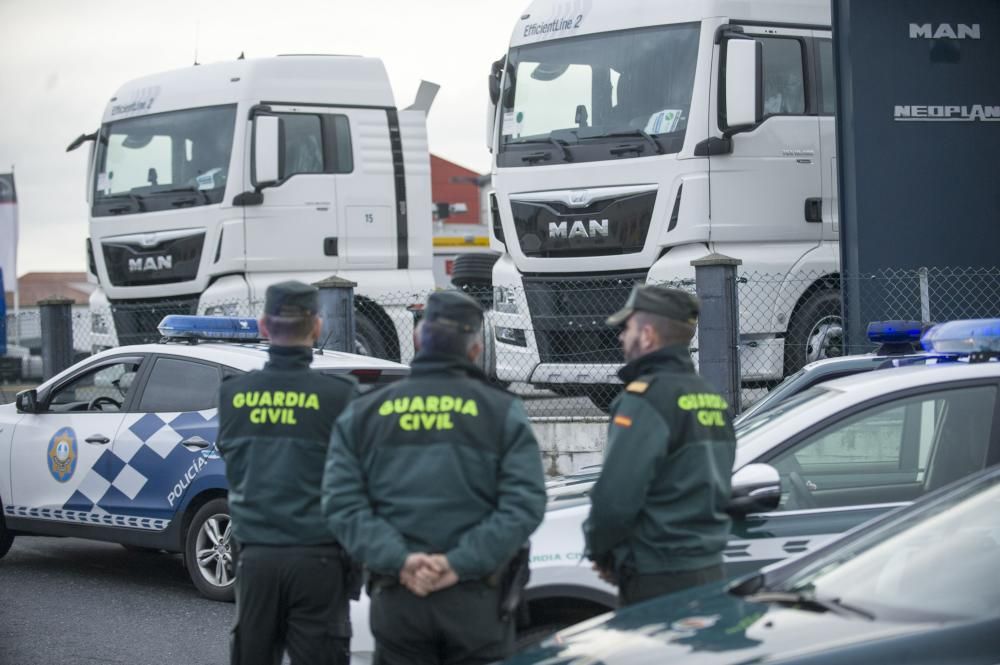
[622, 421]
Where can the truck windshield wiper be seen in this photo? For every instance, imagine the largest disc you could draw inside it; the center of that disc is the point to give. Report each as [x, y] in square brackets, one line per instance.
[810, 602]
[637, 133]
[205, 198]
[533, 157]
[134, 198]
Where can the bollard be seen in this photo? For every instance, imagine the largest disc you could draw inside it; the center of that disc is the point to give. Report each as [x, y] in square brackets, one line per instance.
[336, 309]
[718, 325]
[57, 335]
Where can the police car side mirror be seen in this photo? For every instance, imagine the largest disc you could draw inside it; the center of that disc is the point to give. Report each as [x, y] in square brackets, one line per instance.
[756, 489]
[27, 401]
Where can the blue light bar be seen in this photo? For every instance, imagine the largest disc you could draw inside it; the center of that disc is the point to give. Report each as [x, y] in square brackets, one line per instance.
[966, 336]
[894, 332]
[180, 326]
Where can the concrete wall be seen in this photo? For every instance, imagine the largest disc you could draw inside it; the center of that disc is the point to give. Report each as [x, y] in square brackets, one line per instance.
[568, 444]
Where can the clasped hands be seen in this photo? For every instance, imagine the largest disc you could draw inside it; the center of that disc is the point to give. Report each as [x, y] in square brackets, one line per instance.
[423, 574]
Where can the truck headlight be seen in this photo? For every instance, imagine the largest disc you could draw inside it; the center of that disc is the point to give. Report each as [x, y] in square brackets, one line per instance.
[504, 300]
[513, 336]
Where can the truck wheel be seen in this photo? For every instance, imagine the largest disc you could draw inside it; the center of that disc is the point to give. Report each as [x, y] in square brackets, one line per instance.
[473, 273]
[368, 340]
[208, 551]
[473, 269]
[815, 332]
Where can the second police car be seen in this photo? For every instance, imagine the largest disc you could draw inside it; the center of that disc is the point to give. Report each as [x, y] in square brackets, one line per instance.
[826, 460]
[121, 446]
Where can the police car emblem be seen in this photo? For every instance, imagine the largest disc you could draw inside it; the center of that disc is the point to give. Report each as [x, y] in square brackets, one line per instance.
[62, 454]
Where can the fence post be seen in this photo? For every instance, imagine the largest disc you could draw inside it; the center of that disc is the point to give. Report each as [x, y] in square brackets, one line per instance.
[57, 335]
[336, 309]
[925, 296]
[718, 325]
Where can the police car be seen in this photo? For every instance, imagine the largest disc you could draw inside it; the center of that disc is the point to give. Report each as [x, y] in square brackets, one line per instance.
[916, 586]
[121, 446]
[828, 459]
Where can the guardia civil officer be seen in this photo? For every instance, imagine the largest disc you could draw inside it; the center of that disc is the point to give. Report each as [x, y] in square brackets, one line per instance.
[658, 521]
[274, 428]
[435, 482]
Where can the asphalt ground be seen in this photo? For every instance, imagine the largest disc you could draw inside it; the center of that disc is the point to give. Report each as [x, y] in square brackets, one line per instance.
[78, 602]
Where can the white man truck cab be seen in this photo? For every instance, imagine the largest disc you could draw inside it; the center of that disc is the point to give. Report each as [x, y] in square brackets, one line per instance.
[630, 138]
[208, 184]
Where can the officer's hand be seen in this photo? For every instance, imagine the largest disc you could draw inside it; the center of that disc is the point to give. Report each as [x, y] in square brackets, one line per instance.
[446, 576]
[419, 573]
[606, 574]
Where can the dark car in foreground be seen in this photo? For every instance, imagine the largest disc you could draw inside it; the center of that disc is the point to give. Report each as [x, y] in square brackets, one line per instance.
[919, 585]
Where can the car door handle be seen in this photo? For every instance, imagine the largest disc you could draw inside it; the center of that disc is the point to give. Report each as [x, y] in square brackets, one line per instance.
[97, 439]
[195, 443]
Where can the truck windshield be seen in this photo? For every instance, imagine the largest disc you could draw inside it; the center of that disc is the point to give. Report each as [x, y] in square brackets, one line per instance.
[586, 98]
[163, 161]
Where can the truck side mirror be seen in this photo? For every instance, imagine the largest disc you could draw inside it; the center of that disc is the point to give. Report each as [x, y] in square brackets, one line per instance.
[743, 82]
[756, 489]
[496, 76]
[27, 401]
[266, 167]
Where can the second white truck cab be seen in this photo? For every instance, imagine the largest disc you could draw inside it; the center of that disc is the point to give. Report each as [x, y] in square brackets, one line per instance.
[207, 184]
[630, 138]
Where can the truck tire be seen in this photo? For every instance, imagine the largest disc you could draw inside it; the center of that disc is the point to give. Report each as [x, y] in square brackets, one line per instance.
[368, 340]
[208, 553]
[816, 331]
[473, 270]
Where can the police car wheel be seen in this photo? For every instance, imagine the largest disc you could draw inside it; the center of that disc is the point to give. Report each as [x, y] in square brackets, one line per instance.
[6, 539]
[208, 552]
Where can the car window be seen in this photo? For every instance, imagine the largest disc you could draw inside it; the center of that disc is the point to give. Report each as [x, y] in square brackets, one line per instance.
[102, 389]
[181, 385]
[890, 453]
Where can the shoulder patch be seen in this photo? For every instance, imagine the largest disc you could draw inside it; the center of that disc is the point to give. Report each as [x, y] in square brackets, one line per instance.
[622, 421]
[638, 387]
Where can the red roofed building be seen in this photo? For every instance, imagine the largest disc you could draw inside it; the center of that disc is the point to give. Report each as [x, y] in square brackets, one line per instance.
[451, 184]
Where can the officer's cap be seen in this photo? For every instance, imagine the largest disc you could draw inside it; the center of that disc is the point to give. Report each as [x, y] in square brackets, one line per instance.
[454, 308]
[291, 299]
[669, 303]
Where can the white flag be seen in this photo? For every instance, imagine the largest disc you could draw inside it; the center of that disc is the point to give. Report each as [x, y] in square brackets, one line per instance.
[8, 231]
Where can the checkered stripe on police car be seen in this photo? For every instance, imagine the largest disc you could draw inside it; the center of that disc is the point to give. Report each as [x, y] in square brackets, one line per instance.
[96, 518]
[146, 446]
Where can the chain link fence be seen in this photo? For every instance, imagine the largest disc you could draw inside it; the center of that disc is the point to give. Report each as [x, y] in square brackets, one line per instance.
[548, 341]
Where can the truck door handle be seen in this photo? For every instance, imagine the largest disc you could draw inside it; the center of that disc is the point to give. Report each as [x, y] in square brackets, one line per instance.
[97, 439]
[195, 443]
[814, 209]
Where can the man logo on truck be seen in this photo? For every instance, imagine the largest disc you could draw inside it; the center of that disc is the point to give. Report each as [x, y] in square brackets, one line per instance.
[944, 31]
[151, 263]
[578, 230]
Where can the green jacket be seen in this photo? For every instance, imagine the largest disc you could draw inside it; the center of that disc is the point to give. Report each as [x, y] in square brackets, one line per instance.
[274, 426]
[441, 462]
[660, 502]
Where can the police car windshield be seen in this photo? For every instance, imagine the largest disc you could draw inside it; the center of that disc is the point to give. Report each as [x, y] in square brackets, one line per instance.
[936, 563]
[805, 399]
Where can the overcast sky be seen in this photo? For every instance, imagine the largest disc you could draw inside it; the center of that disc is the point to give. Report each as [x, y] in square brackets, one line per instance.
[61, 60]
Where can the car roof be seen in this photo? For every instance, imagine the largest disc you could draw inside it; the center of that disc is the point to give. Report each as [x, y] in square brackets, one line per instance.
[843, 393]
[247, 357]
